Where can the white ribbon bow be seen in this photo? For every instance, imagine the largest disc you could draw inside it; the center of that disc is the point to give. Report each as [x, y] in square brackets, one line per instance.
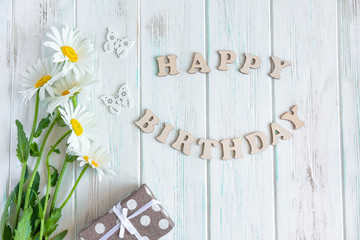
[125, 223]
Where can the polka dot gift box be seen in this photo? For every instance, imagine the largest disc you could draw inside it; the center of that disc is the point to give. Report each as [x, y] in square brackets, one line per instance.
[138, 217]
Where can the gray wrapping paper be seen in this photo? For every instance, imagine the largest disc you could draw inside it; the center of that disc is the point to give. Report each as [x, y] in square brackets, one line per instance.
[152, 224]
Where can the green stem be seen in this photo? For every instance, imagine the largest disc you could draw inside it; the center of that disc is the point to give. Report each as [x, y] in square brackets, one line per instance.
[23, 170]
[18, 204]
[32, 178]
[74, 187]
[74, 100]
[35, 117]
[57, 188]
[48, 166]
[49, 179]
[42, 226]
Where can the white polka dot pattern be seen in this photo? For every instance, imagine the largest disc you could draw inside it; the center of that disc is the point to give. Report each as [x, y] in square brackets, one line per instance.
[131, 204]
[99, 228]
[155, 207]
[163, 224]
[145, 238]
[145, 220]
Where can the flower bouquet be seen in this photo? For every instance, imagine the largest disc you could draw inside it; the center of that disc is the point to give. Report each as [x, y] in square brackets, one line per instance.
[55, 83]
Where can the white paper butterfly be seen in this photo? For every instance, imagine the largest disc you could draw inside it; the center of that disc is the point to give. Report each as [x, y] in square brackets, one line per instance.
[121, 45]
[122, 98]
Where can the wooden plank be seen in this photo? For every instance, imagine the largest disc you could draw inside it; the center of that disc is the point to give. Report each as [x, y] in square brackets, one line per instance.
[5, 97]
[308, 166]
[117, 133]
[241, 190]
[179, 181]
[349, 68]
[30, 23]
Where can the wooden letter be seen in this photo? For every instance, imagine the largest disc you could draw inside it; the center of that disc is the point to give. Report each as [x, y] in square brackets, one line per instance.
[207, 144]
[251, 61]
[147, 122]
[165, 132]
[171, 64]
[278, 66]
[227, 149]
[226, 57]
[184, 139]
[254, 147]
[293, 118]
[199, 62]
[278, 131]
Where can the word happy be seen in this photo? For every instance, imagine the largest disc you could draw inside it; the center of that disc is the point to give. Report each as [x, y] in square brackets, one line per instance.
[231, 148]
[226, 57]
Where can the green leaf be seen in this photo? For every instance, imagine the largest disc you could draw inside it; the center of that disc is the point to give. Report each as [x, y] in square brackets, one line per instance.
[5, 213]
[70, 158]
[23, 230]
[44, 123]
[51, 222]
[7, 233]
[56, 151]
[35, 217]
[34, 150]
[61, 235]
[61, 122]
[54, 177]
[35, 190]
[23, 148]
[36, 182]
[36, 225]
[16, 189]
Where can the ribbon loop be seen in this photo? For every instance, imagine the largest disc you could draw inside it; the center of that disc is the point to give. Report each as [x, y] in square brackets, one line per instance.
[125, 222]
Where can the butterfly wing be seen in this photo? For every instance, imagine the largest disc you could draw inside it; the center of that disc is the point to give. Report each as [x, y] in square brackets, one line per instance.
[127, 103]
[108, 46]
[108, 100]
[115, 109]
[112, 35]
[123, 45]
[113, 103]
[124, 96]
[112, 40]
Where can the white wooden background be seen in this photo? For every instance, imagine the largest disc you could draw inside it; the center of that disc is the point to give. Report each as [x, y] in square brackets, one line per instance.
[304, 188]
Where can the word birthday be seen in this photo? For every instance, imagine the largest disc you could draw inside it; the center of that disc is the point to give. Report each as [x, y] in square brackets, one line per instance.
[226, 57]
[258, 141]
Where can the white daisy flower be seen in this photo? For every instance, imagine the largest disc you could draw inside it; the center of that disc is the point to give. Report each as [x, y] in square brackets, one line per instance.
[39, 77]
[95, 156]
[81, 122]
[67, 87]
[76, 51]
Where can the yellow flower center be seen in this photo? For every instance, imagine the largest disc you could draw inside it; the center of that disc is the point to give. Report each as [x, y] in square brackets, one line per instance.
[76, 126]
[66, 92]
[42, 81]
[94, 163]
[70, 53]
[86, 158]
